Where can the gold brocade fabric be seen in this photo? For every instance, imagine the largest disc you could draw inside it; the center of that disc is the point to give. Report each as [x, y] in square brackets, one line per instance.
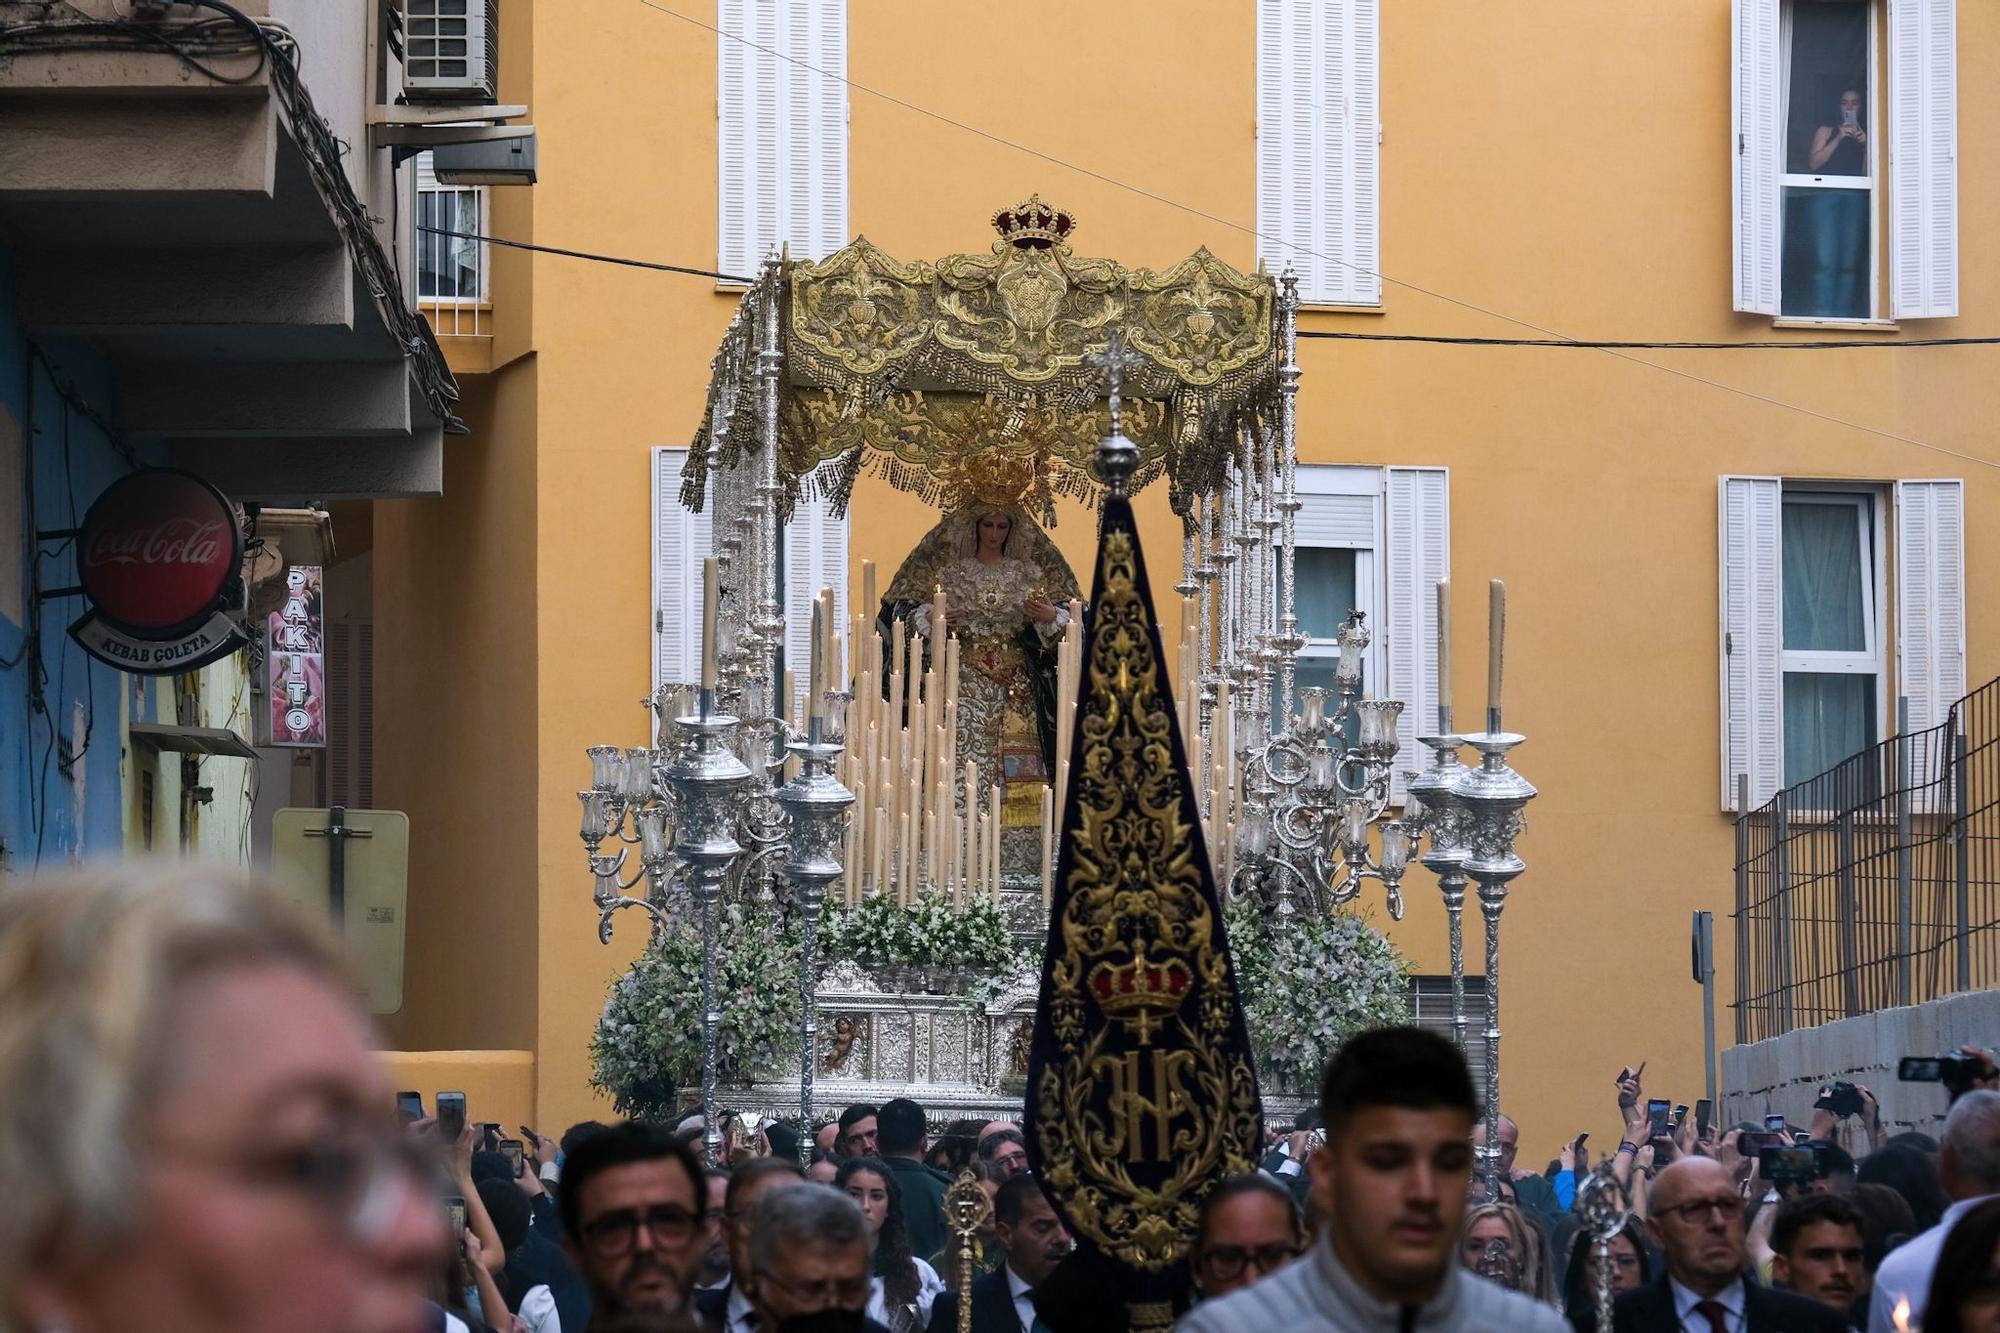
[907, 369]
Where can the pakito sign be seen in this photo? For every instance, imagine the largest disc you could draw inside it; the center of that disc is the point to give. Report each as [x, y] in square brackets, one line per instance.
[295, 657]
[160, 558]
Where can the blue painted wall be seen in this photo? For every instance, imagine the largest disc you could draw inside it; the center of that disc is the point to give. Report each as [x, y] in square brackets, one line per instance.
[60, 796]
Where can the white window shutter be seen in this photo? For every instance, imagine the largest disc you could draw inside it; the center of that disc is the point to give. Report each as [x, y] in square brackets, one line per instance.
[681, 541]
[1417, 555]
[1758, 143]
[1319, 145]
[781, 136]
[1923, 158]
[1930, 598]
[815, 558]
[1752, 606]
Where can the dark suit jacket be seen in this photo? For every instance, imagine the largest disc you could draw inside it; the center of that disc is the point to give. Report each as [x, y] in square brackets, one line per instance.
[992, 1307]
[711, 1310]
[1650, 1309]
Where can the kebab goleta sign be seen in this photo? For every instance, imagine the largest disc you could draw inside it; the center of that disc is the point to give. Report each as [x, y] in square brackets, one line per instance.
[160, 558]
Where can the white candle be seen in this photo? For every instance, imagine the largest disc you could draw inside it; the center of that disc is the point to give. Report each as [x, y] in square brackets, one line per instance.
[1496, 645]
[1444, 646]
[708, 600]
[816, 676]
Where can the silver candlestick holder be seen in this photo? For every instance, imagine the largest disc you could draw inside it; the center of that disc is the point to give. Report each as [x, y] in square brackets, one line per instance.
[706, 776]
[1492, 796]
[1433, 794]
[817, 803]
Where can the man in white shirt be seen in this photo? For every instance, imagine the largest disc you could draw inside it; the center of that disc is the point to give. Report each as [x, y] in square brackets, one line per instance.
[1969, 1163]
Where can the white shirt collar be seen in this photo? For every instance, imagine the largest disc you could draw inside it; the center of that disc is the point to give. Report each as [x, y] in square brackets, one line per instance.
[1018, 1288]
[1729, 1298]
[739, 1315]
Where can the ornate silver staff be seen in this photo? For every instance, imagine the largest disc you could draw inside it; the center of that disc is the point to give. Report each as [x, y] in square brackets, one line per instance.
[1432, 806]
[1492, 796]
[1603, 1206]
[818, 803]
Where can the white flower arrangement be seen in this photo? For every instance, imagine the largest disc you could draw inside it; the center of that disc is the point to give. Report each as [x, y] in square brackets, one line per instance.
[1309, 985]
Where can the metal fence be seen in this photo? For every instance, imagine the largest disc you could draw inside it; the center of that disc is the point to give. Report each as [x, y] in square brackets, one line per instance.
[1875, 883]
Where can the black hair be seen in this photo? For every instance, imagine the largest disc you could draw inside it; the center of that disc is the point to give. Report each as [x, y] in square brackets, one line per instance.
[492, 1166]
[900, 1126]
[1889, 1221]
[991, 1143]
[508, 1208]
[893, 1263]
[577, 1133]
[1964, 1266]
[1836, 1163]
[1013, 1198]
[1306, 1119]
[1913, 1138]
[1795, 1215]
[1912, 1174]
[754, 1170]
[783, 1138]
[1404, 1067]
[1578, 1295]
[621, 1145]
[1249, 1182]
[858, 1111]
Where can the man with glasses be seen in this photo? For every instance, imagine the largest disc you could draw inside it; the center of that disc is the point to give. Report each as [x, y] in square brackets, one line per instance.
[1696, 1219]
[1034, 1241]
[632, 1200]
[808, 1262]
[1250, 1228]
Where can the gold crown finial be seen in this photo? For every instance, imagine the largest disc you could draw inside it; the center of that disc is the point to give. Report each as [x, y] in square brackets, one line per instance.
[995, 477]
[1032, 224]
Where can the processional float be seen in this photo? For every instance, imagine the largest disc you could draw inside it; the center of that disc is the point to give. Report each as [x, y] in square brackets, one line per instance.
[956, 381]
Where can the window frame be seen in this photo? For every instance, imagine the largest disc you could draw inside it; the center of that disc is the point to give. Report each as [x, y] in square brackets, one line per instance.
[1869, 503]
[1332, 480]
[426, 184]
[1875, 184]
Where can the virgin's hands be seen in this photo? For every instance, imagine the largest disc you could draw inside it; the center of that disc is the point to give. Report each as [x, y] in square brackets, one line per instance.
[1040, 610]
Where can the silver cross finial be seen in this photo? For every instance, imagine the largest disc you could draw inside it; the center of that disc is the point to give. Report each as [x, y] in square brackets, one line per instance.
[1114, 361]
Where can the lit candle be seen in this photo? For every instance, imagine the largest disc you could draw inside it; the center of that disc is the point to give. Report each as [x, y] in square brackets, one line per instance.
[708, 600]
[1496, 651]
[1444, 652]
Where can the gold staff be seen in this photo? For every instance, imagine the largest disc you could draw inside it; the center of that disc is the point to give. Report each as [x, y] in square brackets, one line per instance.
[968, 1209]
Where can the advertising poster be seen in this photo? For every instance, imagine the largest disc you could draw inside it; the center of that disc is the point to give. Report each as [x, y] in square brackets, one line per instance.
[296, 660]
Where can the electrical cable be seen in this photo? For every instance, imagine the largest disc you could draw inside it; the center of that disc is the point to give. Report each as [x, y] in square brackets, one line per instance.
[585, 254]
[1190, 209]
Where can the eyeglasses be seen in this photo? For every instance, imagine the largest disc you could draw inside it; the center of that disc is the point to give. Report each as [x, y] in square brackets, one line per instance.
[808, 1297]
[354, 1180]
[1227, 1262]
[612, 1234]
[1699, 1210]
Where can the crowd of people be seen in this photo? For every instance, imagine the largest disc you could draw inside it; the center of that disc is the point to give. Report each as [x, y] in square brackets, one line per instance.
[199, 1137]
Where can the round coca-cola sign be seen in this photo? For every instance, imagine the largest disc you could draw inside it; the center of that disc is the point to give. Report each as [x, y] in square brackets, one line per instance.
[157, 553]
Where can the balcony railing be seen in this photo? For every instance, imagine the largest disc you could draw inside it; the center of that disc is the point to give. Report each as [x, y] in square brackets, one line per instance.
[1875, 883]
[452, 271]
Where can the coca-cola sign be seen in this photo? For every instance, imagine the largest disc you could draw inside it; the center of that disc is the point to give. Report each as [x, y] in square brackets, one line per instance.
[160, 557]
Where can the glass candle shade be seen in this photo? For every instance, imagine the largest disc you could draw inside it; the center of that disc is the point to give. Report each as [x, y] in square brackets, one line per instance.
[652, 822]
[592, 828]
[1396, 843]
[1312, 703]
[606, 761]
[833, 723]
[1324, 763]
[1354, 827]
[1378, 725]
[1256, 833]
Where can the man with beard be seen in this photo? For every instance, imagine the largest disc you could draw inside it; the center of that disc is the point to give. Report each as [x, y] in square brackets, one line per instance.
[1390, 1183]
[1696, 1218]
[1034, 1241]
[713, 1270]
[632, 1200]
[1816, 1244]
[726, 1306]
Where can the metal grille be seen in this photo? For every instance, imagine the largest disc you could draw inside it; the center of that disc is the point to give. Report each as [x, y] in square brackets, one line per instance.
[1430, 1008]
[1875, 883]
[451, 270]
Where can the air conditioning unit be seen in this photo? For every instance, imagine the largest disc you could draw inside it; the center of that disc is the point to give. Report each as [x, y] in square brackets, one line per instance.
[451, 51]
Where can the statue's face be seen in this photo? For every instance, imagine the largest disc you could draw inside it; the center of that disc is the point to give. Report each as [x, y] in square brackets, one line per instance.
[993, 530]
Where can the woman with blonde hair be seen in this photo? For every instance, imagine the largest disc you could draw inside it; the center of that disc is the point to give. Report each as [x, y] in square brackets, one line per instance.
[195, 1132]
[1501, 1242]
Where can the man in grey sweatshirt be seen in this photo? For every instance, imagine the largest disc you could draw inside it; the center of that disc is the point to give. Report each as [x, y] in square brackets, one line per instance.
[1390, 1185]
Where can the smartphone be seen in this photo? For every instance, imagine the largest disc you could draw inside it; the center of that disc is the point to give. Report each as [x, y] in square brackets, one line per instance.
[450, 1116]
[410, 1107]
[454, 1207]
[1680, 1115]
[511, 1149]
[1850, 118]
[1775, 1123]
[1793, 1165]
[1657, 1111]
[1580, 1139]
[1704, 1111]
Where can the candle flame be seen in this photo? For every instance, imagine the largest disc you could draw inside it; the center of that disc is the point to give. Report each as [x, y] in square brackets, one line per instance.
[1902, 1314]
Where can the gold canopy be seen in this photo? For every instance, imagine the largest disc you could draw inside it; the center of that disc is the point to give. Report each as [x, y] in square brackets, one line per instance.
[912, 370]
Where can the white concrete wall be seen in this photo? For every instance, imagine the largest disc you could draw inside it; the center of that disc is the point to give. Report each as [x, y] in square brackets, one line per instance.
[1786, 1073]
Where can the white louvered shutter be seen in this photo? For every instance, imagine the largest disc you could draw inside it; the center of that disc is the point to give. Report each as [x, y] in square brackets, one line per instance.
[1930, 597]
[1418, 554]
[681, 541]
[1752, 637]
[1319, 145]
[815, 558]
[1758, 144]
[781, 136]
[1923, 158]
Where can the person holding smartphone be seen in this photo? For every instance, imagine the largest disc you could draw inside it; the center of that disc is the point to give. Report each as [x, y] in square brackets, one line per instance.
[1838, 218]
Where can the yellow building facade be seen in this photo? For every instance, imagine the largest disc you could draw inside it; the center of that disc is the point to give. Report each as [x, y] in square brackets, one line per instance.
[1545, 171]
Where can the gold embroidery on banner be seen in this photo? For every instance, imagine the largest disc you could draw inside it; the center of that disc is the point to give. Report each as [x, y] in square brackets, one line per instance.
[1134, 1130]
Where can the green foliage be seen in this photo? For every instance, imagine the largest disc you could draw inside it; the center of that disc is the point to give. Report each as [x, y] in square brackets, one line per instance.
[1310, 985]
[929, 933]
[648, 1040]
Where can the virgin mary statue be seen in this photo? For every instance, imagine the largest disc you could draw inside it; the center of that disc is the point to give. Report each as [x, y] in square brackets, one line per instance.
[1007, 590]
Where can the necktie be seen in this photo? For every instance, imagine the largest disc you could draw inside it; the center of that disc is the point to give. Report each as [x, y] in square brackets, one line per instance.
[1715, 1313]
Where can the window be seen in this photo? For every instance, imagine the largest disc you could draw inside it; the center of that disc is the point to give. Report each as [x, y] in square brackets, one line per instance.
[1375, 540]
[1804, 616]
[449, 268]
[1319, 145]
[681, 540]
[781, 134]
[1814, 159]
[812, 555]
[1832, 653]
